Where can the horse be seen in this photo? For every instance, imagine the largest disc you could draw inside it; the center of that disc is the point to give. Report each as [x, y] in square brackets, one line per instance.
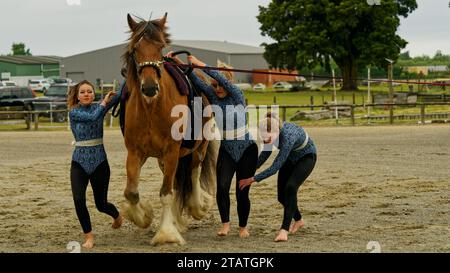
[189, 174]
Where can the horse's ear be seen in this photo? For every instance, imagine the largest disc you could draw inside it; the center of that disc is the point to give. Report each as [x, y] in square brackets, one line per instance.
[162, 21]
[131, 23]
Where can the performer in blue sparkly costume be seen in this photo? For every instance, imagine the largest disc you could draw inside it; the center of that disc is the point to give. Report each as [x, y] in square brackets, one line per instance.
[295, 161]
[238, 152]
[89, 161]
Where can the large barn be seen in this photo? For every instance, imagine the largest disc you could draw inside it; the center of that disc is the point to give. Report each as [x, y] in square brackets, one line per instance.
[105, 64]
[23, 68]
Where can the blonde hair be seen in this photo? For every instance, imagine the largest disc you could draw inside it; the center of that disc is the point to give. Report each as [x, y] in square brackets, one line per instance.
[270, 123]
[228, 74]
[72, 97]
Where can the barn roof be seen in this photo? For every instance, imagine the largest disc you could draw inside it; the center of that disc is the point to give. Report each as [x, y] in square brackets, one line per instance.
[220, 46]
[30, 59]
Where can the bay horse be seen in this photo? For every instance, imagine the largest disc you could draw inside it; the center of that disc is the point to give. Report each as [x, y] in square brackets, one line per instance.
[148, 123]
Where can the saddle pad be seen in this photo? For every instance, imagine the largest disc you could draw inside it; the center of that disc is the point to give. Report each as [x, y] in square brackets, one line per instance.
[178, 77]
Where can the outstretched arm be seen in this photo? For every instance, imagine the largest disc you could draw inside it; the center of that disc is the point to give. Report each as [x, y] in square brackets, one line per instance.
[115, 98]
[208, 90]
[277, 163]
[232, 89]
[77, 114]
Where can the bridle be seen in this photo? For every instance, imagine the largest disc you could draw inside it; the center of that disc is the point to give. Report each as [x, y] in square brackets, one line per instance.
[141, 65]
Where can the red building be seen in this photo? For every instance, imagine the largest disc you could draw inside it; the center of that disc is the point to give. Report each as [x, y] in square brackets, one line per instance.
[269, 79]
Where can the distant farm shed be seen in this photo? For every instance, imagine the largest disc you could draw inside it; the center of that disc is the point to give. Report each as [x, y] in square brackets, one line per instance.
[105, 63]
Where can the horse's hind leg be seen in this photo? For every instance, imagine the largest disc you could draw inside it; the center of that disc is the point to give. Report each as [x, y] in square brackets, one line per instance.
[199, 201]
[136, 211]
[168, 232]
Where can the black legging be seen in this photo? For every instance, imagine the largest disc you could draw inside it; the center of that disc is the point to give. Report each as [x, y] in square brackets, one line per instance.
[290, 177]
[99, 183]
[245, 168]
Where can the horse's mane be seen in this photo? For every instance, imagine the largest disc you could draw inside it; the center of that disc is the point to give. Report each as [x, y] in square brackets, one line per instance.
[149, 30]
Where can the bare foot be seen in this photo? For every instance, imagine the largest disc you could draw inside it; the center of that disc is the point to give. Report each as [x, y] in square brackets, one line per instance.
[117, 222]
[282, 236]
[223, 231]
[298, 224]
[243, 232]
[89, 240]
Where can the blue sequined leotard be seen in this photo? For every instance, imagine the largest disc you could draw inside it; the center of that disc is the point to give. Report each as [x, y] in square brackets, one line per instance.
[86, 123]
[235, 97]
[290, 138]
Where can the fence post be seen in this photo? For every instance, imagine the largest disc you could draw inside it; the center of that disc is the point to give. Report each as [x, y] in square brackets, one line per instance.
[28, 120]
[283, 113]
[353, 98]
[68, 120]
[51, 113]
[352, 112]
[422, 114]
[391, 114]
[312, 103]
[274, 100]
[36, 121]
[111, 119]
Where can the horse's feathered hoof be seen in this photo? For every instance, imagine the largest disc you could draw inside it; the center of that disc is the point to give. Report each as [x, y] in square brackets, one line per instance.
[199, 207]
[140, 214]
[168, 236]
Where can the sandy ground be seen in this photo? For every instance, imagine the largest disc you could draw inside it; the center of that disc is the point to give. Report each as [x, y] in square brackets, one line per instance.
[384, 184]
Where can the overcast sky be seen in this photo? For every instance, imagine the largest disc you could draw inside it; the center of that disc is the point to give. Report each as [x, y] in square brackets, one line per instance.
[64, 27]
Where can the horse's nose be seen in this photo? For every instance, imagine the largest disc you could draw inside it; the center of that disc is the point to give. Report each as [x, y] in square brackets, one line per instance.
[150, 89]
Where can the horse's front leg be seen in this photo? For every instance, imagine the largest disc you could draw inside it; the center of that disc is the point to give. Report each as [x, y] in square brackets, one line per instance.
[138, 212]
[168, 232]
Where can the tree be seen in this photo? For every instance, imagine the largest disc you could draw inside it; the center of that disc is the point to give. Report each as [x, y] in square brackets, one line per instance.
[404, 56]
[19, 49]
[438, 55]
[351, 32]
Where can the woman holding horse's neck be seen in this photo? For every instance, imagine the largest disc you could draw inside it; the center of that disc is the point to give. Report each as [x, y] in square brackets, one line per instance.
[89, 161]
[238, 152]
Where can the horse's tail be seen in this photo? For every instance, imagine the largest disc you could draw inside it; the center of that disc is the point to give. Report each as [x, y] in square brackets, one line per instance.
[208, 175]
[183, 178]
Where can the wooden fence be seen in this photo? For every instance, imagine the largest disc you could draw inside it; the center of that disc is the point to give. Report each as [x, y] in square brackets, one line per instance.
[32, 117]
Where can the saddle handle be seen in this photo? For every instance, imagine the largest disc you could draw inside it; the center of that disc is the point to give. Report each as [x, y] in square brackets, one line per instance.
[187, 70]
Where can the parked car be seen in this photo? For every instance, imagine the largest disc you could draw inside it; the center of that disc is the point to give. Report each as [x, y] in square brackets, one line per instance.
[244, 86]
[259, 87]
[7, 83]
[55, 98]
[56, 80]
[41, 85]
[15, 99]
[282, 86]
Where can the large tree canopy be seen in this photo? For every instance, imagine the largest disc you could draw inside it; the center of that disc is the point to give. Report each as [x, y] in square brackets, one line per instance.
[352, 32]
[19, 49]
